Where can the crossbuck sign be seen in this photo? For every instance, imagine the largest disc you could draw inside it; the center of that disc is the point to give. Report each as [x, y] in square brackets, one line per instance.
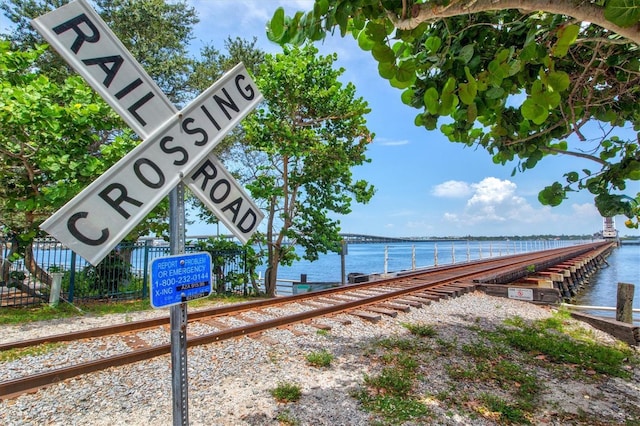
[176, 145]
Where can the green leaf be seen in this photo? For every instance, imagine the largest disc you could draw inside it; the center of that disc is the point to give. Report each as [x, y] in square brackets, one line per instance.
[572, 177]
[495, 93]
[376, 32]
[406, 71]
[533, 111]
[320, 8]
[466, 53]
[558, 80]
[276, 28]
[387, 70]
[552, 195]
[407, 97]
[431, 97]
[364, 42]
[399, 84]
[566, 37]
[432, 44]
[633, 170]
[625, 13]
[467, 93]
[383, 53]
[472, 112]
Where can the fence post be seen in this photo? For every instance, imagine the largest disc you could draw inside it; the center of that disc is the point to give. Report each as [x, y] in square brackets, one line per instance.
[435, 254]
[624, 305]
[386, 258]
[145, 272]
[413, 257]
[72, 276]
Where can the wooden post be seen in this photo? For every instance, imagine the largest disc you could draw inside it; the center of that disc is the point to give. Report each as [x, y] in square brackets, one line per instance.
[624, 306]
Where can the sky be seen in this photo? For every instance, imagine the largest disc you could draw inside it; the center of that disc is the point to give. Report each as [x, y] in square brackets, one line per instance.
[425, 185]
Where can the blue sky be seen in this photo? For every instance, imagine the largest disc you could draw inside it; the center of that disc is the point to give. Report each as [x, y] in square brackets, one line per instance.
[426, 186]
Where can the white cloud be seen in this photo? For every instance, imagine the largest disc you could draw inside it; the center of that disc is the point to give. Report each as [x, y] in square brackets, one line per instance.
[585, 210]
[493, 201]
[491, 191]
[391, 142]
[451, 189]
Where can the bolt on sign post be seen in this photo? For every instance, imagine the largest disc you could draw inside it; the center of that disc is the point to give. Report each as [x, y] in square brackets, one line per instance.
[175, 145]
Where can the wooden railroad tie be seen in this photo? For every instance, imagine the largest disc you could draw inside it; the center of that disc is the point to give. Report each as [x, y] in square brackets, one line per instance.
[367, 316]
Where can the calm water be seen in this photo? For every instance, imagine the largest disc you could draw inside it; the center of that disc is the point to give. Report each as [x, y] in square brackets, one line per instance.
[624, 264]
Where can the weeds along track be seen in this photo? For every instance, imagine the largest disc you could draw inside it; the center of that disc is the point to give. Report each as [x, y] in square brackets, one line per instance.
[141, 340]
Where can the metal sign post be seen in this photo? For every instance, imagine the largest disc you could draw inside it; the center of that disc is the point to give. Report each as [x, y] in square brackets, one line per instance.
[178, 316]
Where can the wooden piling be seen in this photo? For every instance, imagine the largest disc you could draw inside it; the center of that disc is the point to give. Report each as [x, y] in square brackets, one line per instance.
[624, 305]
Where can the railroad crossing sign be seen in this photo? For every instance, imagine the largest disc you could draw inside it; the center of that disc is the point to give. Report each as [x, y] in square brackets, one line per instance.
[175, 143]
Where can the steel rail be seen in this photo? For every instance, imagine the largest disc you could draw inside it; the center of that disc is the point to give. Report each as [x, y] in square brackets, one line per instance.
[11, 388]
[239, 307]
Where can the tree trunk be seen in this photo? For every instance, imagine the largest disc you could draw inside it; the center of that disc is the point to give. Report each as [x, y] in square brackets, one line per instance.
[5, 263]
[34, 269]
[271, 275]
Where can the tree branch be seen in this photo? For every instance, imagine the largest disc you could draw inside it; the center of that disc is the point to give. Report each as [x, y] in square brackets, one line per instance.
[582, 12]
[575, 154]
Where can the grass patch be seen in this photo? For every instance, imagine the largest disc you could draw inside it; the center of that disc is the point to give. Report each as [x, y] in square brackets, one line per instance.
[547, 337]
[393, 408]
[389, 392]
[10, 315]
[17, 353]
[321, 358]
[287, 419]
[500, 363]
[506, 413]
[421, 330]
[44, 312]
[391, 380]
[286, 392]
[398, 343]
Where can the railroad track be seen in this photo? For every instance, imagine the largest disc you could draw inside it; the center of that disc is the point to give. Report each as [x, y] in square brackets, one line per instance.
[368, 300]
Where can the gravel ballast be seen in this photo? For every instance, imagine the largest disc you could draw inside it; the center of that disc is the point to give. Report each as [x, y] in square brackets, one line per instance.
[230, 383]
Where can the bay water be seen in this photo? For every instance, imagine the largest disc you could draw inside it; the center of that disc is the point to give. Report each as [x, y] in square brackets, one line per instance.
[623, 265]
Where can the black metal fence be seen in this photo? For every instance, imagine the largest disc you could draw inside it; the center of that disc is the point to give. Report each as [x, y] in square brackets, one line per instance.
[123, 274]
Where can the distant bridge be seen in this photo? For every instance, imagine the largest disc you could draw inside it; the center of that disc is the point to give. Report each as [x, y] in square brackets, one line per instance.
[362, 238]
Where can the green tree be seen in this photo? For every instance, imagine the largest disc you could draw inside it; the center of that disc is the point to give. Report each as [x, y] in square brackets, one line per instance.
[522, 80]
[55, 139]
[308, 136]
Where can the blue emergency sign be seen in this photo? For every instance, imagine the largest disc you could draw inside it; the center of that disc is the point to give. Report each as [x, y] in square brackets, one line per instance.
[180, 278]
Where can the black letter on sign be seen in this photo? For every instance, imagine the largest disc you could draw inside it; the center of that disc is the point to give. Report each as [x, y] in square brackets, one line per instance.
[71, 226]
[234, 206]
[115, 202]
[130, 87]
[110, 71]
[229, 102]
[133, 109]
[246, 215]
[249, 93]
[208, 170]
[167, 150]
[196, 131]
[143, 179]
[210, 117]
[82, 37]
[213, 190]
